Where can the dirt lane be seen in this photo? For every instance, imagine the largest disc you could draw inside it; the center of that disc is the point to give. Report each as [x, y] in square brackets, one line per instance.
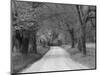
[56, 59]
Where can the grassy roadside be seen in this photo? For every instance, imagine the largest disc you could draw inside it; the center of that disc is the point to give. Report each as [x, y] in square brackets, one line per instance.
[88, 60]
[19, 61]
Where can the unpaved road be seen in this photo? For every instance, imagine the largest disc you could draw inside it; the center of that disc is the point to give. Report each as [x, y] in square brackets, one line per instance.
[55, 59]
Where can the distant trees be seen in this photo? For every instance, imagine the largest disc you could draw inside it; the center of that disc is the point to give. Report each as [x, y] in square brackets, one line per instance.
[68, 24]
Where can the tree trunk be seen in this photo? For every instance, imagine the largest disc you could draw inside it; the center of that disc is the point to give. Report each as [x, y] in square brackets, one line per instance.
[73, 45]
[72, 37]
[82, 42]
[79, 45]
[24, 47]
[25, 42]
[34, 43]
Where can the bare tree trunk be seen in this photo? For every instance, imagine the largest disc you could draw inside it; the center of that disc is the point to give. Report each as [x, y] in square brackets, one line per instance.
[24, 47]
[73, 45]
[79, 45]
[82, 42]
[34, 43]
[72, 37]
[25, 42]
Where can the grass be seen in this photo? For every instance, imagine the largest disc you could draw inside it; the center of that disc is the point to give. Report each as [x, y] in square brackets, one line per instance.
[20, 61]
[88, 60]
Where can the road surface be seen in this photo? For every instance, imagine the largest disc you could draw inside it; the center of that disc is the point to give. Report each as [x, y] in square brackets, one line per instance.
[56, 59]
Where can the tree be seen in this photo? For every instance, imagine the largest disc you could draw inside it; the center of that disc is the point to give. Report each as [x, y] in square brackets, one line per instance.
[85, 13]
[14, 13]
[24, 17]
[71, 31]
[91, 24]
[82, 14]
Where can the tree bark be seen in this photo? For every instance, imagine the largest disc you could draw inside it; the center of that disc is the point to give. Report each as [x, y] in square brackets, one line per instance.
[72, 37]
[25, 42]
[34, 43]
[82, 42]
[73, 45]
[24, 47]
